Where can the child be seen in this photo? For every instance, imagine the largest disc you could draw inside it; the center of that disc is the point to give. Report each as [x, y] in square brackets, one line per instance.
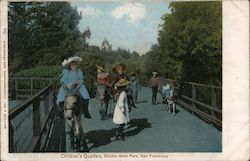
[71, 76]
[119, 70]
[165, 92]
[135, 85]
[121, 112]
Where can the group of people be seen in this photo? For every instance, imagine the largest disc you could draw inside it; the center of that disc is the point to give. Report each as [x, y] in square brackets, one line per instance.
[167, 89]
[124, 89]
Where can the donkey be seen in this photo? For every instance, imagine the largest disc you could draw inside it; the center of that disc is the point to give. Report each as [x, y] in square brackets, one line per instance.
[73, 109]
[172, 99]
[104, 98]
[72, 114]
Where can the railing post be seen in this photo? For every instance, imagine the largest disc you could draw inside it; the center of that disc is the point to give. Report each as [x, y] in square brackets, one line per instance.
[31, 86]
[16, 87]
[213, 102]
[46, 102]
[51, 96]
[36, 118]
[11, 138]
[193, 96]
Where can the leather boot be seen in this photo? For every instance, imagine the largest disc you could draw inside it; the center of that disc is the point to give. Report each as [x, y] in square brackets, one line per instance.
[86, 109]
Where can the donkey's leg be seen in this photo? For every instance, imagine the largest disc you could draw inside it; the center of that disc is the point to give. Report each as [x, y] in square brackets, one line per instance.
[174, 108]
[78, 124]
[102, 109]
[106, 106]
[78, 132]
[169, 106]
[80, 137]
[69, 117]
[70, 120]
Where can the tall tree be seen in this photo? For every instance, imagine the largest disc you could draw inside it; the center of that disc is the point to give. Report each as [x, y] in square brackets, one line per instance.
[42, 33]
[191, 35]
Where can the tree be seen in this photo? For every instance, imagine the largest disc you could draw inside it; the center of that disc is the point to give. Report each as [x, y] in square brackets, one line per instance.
[191, 36]
[43, 33]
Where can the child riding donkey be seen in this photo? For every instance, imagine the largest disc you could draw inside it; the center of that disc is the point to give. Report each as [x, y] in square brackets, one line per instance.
[165, 92]
[104, 90]
[73, 98]
[169, 96]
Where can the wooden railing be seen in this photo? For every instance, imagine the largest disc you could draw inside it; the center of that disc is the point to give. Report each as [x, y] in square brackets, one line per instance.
[39, 118]
[211, 110]
[24, 87]
[203, 100]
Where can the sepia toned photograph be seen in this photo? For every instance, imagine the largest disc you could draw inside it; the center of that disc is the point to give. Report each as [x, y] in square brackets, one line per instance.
[114, 79]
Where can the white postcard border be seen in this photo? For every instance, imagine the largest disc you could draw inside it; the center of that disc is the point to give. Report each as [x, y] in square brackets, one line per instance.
[235, 133]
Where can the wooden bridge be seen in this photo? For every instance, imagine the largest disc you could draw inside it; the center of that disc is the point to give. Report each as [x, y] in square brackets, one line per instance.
[196, 127]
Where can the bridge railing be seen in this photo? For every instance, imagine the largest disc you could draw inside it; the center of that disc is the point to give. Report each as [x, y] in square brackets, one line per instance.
[203, 100]
[30, 122]
[25, 87]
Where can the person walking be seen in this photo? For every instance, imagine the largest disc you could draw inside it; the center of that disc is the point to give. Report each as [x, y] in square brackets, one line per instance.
[154, 83]
[121, 112]
[70, 76]
[135, 86]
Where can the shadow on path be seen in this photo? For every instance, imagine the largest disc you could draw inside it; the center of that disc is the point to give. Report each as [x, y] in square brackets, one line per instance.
[166, 110]
[143, 101]
[139, 125]
[103, 137]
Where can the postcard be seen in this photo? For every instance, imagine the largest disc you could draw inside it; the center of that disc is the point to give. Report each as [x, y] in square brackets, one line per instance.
[124, 80]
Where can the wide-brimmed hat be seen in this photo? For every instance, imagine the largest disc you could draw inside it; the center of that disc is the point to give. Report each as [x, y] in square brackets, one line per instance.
[122, 82]
[119, 66]
[70, 59]
[154, 73]
[100, 68]
[132, 74]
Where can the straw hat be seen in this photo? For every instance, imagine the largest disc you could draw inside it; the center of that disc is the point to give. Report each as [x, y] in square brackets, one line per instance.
[122, 82]
[70, 59]
[100, 68]
[132, 74]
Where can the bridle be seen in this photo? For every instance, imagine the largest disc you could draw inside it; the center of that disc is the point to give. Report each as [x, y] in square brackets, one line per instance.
[66, 104]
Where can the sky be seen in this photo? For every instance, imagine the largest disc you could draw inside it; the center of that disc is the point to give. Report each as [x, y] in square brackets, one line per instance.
[129, 25]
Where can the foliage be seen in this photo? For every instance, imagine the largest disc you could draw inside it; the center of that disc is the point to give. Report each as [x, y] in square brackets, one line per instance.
[40, 72]
[42, 33]
[93, 56]
[191, 37]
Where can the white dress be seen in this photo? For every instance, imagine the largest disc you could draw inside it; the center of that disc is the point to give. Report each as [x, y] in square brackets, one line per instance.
[121, 112]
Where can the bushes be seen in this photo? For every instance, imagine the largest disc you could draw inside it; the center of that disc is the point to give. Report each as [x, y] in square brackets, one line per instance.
[41, 71]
